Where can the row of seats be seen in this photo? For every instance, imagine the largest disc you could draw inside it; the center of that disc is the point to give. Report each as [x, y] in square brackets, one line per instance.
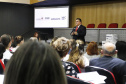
[109, 80]
[103, 25]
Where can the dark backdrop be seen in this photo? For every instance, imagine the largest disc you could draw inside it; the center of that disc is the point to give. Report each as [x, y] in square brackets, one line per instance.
[16, 19]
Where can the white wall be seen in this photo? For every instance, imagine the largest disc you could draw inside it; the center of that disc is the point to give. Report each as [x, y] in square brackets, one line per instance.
[17, 1]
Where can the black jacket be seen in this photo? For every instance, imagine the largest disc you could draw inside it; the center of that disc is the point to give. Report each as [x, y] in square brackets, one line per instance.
[115, 65]
[81, 33]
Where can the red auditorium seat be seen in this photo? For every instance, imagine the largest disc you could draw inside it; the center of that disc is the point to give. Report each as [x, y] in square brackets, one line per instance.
[124, 25]
[90, 25]
[102, 25]
[113, 25]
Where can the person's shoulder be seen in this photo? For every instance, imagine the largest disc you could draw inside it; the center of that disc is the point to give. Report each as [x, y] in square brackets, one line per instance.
[118, 60]
[94, 59]
[83, 26]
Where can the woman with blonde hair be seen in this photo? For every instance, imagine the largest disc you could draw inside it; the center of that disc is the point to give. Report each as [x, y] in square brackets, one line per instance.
[76, 55]
[92, 51]
[62, 46]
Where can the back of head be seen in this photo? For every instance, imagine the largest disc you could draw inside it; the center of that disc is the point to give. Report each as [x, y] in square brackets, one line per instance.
[61, 45]
[76, 53]
[109, 49]
[18, 39]
[121, 47]
[5, 39]
[33, 39]
[34, 63]
[53, 40]
[92, 48]
[2, 50]
[77, 47]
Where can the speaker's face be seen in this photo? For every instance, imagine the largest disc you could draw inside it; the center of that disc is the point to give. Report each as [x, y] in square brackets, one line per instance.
[78, 22]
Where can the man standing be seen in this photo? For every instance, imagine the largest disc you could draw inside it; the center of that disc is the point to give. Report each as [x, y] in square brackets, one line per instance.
[115, 65]
[79, 31]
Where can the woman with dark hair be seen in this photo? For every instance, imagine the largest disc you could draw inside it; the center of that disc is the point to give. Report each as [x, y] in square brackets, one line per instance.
[92, 51]
[76, 55]
[121, 47]
[61, 45]
[36, 35]
[6, 41]
[35, 63]
[19, 41]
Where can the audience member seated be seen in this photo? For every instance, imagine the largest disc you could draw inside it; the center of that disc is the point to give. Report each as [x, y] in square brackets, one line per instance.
[54, 39]
[36, 35]
[35, 63]
[6, 40]
[33, 39]
[61, 45]
[115, 65]
[2, 50]
[76, 55]
[13, 44]
[19, 41]
[71, 42]
[121, 47]
[92, 51]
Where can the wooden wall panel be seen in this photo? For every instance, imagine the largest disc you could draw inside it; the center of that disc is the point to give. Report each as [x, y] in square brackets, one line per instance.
[100, 16]
[100, 13]
[124, 10]
[35, 1]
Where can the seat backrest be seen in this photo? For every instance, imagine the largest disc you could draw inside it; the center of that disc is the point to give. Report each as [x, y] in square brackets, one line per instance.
[90, 25]
[124, 25]
[77, 69]
[113, 25]
[102, 25]
[71, 80]
[110, 77]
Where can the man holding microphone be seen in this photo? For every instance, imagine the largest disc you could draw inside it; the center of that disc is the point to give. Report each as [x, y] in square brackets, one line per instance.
[79, 31]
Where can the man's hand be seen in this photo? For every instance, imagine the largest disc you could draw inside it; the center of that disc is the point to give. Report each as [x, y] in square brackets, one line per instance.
[75, 33]
[72, 33]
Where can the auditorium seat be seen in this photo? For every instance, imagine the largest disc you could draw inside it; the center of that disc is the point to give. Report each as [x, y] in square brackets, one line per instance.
[110, 77]
[102, 25]
[90, 25]
[124, 25]
[72, 80]
[113, 25]
[77, 69]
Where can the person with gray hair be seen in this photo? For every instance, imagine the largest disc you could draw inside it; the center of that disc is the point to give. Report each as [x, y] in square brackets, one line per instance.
[109, 49]
[115, 65]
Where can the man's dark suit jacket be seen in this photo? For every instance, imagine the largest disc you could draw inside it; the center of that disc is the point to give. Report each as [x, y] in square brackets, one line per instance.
[115, 65]
[81, 33]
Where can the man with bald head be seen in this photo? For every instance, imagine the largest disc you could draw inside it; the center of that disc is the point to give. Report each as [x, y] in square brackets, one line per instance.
[115, 65]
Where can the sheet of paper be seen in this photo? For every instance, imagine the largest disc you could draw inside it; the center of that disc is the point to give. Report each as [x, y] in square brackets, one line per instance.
[93, 77]
[1, 79]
